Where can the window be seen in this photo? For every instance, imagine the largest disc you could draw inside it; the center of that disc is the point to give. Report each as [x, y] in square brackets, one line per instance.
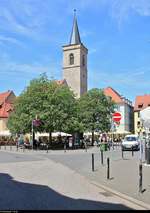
[140, 105]
[71, 59]
[130, 138]
[118, 108]
[83, 60]
[138, 123]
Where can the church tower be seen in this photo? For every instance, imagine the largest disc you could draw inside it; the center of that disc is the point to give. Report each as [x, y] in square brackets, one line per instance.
[75, 62]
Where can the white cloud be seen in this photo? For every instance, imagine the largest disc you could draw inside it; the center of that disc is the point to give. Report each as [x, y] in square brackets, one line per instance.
[127, 79]
[12, 40]
[122, 10]
[13, 68]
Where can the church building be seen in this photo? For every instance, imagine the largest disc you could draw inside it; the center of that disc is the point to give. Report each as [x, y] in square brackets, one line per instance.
[75, 62]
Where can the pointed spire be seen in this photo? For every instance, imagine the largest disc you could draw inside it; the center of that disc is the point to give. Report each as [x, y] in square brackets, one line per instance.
[75, 36]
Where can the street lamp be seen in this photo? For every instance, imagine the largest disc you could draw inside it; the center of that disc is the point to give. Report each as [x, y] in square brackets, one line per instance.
[140, 126]
[140, 165]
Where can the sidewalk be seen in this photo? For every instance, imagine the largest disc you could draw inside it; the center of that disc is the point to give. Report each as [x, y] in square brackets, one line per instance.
[122, 185]
[45, 185]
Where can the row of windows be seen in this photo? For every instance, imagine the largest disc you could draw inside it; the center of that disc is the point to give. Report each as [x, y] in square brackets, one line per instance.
[71, 59]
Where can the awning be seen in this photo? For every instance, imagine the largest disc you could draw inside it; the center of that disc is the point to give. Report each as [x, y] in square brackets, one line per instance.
[54, 134]
[5, 133]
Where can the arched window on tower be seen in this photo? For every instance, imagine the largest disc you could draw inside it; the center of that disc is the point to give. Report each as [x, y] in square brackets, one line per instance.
[71, 58]
[83, 60]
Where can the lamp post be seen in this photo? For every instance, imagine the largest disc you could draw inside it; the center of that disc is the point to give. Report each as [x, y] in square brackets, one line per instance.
[146, 141]
[140, 126]
[32, 134]
[140, 164]
[112, 129]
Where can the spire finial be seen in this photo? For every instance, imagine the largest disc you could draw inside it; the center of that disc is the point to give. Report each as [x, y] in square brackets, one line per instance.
[75, 37]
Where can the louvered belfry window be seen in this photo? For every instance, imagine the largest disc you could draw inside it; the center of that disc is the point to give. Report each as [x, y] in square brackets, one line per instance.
[71, 59]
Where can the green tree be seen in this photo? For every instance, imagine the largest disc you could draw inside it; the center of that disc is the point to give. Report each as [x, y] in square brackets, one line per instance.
[54, 105]
[95, 111]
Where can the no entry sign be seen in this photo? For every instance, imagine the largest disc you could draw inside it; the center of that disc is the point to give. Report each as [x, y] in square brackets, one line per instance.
[117, 117]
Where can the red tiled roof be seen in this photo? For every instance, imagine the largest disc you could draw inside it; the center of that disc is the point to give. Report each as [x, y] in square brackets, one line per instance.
[113, 94]
[4, 110]
[59, 82]
[4, 96]
[143, 100]
[5, 107]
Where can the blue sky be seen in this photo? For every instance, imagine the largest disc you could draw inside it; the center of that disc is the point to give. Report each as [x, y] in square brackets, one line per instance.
[116, 33]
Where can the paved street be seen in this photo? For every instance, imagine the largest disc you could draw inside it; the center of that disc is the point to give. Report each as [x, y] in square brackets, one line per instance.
[64, 180]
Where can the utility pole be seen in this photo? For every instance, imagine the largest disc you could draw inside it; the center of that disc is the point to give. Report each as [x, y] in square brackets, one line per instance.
[112, 129]
[32, 134]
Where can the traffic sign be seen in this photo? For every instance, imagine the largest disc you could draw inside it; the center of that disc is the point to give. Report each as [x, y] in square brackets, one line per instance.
[117, 117]
[36, 122]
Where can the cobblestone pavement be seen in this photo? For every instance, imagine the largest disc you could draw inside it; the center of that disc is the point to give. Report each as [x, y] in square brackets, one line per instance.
[50, 169]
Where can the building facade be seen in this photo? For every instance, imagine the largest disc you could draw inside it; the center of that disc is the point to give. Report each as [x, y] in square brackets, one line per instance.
[141, 102]
[125, 108]
[75, 62]
[6, 103]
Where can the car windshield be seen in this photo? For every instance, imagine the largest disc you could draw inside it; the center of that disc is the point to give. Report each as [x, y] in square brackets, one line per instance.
[130, 139]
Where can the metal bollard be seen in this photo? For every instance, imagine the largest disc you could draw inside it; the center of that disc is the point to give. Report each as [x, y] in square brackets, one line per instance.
[64, 147]
[23, 148]
[122, 153]
[145, 153]
[92, 162]
[10, 147]
[132, 152]
[108, 172]
[17, 147]
[5, 146]
[102, 157]
[85, 147]
[140, 177]
[47, 149]
[0, 146]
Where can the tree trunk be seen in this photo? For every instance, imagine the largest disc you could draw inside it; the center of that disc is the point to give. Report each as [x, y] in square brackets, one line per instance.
[92, 138]
[50, 137]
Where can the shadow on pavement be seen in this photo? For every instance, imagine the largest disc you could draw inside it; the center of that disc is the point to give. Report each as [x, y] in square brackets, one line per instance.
[24, 196]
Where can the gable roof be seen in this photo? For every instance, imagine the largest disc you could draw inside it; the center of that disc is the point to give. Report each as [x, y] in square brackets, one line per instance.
[113, 94]
[62, 82]
[59, 82]
[143, 100]
[4, 96]
[5, 109]
[5, 104]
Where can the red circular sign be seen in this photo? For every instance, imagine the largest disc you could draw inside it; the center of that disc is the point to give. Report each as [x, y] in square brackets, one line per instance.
[117, 117]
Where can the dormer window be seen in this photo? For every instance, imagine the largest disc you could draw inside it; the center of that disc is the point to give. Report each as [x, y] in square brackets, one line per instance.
[71, 59]
[140, 105]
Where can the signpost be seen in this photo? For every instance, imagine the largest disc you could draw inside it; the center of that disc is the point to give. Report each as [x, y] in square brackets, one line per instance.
[116, 118]
[36, 123]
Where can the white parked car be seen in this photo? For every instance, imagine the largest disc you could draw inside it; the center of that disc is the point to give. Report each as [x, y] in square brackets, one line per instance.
[129, 142]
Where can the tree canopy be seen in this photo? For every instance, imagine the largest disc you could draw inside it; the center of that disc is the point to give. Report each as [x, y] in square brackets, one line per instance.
[57, 109]
[96, 111]
[54, 105]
